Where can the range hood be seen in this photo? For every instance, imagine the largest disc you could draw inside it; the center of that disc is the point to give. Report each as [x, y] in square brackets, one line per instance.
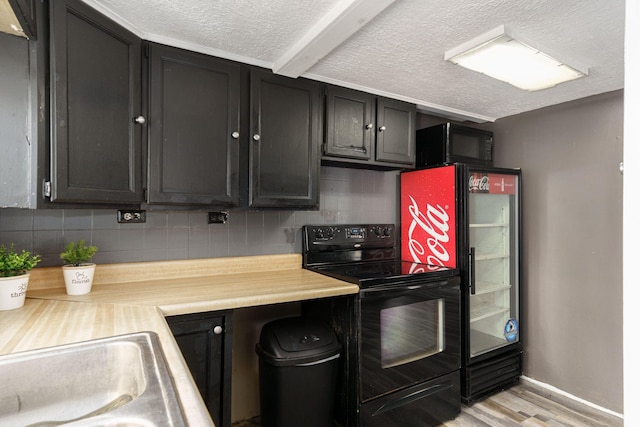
[17, 17]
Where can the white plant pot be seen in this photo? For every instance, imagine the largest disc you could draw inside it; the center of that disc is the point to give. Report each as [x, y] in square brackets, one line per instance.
[78, 280]
[13, 290]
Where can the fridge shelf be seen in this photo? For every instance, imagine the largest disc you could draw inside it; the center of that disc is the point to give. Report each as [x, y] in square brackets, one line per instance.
[490, 225]
[485, 257]
[488, 287]
[483, 342]
[485, 311]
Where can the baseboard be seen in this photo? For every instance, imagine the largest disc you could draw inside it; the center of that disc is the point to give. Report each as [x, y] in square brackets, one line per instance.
[569, 395]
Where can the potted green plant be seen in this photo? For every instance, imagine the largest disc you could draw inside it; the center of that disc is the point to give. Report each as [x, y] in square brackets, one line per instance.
[14, 276]
[78, 272]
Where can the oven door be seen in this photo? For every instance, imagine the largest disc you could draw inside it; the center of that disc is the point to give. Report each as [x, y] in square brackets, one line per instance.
[409, 333]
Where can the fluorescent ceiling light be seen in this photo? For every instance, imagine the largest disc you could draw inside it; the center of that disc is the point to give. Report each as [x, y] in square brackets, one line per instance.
[499, 55]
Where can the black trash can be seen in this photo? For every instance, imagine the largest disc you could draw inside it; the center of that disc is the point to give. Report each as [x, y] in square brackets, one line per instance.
[298, 362]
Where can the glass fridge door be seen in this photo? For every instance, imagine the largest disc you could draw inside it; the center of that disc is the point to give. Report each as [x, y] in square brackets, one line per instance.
[493, 221]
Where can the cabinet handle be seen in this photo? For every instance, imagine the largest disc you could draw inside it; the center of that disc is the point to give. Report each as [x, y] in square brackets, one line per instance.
[235, 135]
[368, 126]
[217, 330]
[382, 128]
[256, 137]
[140, 120]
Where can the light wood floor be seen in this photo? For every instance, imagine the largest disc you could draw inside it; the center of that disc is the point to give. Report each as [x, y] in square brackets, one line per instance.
[525, 404]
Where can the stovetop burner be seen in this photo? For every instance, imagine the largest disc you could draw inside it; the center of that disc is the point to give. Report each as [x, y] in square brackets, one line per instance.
[362, 254]
[369, 273]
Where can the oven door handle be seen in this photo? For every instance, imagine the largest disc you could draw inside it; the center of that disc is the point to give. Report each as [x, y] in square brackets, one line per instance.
[472, 270]
[432, 285]
[393, 290]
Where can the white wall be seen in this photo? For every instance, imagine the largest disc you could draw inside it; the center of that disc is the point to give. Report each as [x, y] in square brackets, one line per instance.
[572, 253]
[631, 226]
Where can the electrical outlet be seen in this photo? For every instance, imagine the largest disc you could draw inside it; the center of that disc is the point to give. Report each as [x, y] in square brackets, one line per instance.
[132, 216]
[218, 217]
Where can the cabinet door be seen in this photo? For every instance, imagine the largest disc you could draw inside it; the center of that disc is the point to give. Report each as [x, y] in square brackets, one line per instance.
[396, 132]
[194, 114]
[95, 95]
[205, 341]
[285, 141]
[349, 123]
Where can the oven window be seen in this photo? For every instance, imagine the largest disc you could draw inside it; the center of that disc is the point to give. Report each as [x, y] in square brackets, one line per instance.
[411, 332]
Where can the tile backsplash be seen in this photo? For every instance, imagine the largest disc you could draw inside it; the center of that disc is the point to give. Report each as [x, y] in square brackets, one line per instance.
[346, 195]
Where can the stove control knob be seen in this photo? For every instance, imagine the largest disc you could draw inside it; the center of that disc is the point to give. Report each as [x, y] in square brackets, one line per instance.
[378, 230]
[387, 231]
[319, 233]
[330, 232]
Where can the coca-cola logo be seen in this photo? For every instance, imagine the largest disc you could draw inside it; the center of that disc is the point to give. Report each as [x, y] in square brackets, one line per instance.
[479, 183]
[435, 225]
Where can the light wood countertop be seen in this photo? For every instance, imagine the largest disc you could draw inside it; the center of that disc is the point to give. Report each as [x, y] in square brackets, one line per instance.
[182, 287]
[134, 297]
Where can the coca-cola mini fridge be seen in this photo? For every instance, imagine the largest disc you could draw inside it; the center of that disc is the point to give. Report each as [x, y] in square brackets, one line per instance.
[468, 217]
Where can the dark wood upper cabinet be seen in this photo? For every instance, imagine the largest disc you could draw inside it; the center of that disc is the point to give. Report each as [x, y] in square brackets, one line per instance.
[217, 133]
[396, 132]
[368, 131]
[285, 124]
[96, 97]
[350, 123]
[194, 128]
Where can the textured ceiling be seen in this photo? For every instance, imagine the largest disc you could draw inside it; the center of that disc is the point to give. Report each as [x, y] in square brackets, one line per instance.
[393, 48]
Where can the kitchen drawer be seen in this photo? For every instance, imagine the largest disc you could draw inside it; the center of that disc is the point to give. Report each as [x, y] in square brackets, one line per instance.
[426, 404]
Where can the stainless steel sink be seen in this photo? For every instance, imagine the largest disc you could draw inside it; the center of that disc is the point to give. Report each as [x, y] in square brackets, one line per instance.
[117, 381]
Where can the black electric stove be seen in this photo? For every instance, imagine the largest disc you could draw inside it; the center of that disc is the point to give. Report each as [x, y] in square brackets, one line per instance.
[401, 332]
[363, 254]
